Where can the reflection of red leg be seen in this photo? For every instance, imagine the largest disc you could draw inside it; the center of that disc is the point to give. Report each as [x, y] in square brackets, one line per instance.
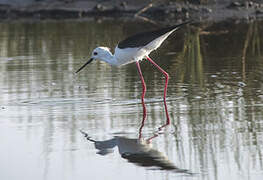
[143, 94]
[156, 134]
[143, 119]
[167, 116]
[165, 89]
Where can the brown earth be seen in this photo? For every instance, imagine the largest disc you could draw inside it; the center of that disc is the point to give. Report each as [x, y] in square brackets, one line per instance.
[156, 10]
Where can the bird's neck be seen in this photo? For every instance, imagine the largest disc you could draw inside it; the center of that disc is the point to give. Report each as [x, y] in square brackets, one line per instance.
[110, 59]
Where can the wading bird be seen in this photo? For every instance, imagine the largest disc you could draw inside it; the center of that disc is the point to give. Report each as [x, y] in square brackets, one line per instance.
[134, 49]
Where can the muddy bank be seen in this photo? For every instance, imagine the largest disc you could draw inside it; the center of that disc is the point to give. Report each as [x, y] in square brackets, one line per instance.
[166, 12]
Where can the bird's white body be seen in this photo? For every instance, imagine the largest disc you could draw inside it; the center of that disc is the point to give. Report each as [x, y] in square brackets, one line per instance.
[128, 55]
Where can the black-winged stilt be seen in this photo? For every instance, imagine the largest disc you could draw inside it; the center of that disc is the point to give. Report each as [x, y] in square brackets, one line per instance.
[134, 49]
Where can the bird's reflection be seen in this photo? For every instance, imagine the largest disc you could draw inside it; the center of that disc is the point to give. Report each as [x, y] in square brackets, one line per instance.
[137, 150]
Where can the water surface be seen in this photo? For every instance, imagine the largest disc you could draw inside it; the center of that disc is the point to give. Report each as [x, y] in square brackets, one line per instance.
[215, 102]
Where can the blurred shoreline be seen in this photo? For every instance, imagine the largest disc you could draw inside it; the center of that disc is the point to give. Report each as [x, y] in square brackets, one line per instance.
[166, 12]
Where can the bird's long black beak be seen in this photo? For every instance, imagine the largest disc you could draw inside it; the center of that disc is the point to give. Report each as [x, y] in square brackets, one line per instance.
[89, 61]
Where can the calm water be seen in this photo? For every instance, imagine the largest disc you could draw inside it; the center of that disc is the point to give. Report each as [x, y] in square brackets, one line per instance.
[215, 102]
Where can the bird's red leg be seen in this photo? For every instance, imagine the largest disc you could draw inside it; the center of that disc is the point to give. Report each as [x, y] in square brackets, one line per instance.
[165, 88]
[143, 94]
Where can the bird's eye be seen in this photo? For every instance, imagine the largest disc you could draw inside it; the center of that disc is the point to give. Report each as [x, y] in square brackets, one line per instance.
[95, 53]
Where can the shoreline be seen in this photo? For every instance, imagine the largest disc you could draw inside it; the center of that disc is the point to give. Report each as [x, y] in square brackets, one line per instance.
[167, 13]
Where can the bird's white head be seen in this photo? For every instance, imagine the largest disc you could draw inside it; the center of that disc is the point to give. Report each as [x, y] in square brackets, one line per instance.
[99, 53]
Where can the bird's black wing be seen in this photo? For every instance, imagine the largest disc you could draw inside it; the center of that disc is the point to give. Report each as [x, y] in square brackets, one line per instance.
[144, 38]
